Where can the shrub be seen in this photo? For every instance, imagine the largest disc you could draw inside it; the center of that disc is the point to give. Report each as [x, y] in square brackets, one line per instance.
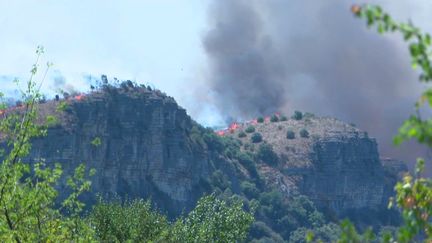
[250, 129]
[267, 155]
[260, 232]
[290, 134]
[249, 146]
[256, 137]
[297, 115]
[247, 161]
[220, 180]
[274, 118]
[284, 118]
[242, 134]
[96, 142]
[249, 189]
[130, 220]
[304, 133]
[213, 141]
[308, 115]
[213, 220]
[260, 119]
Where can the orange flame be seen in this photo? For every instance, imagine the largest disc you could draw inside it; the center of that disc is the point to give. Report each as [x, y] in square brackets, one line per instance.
[79, 97]
[220, 133]
[234, 126]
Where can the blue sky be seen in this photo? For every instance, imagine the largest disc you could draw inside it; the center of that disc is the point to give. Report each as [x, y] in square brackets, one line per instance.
[151, 41]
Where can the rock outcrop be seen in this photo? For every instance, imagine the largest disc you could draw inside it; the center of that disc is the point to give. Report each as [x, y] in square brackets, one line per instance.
[144, 151]
[337, 165]
[142, 144]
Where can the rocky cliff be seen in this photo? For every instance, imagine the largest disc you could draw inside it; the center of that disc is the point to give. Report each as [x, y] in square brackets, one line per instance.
[144, 151]
[142, 144]
[336, 165]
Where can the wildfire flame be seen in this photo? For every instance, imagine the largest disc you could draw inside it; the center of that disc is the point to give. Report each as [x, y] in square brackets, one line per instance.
[234, 126]
[79, 97]
[220, 133]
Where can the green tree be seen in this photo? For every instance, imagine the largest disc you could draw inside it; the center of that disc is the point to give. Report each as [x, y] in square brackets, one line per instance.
[297, 115]
[274, 118]
[290, 134]
[27, 193]
[134, 221]
[304, 133]
[250, 129]
[256, 137]
[242, 134]
[267, 155]
[213, 220]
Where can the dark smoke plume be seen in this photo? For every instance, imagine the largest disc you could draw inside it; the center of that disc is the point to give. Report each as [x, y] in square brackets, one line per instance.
[268, 56]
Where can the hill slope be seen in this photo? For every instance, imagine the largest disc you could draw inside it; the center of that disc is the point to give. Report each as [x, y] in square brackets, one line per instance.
[143, 145]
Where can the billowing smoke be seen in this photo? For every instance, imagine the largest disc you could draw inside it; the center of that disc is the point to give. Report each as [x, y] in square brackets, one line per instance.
[268, 56]
[61, 85]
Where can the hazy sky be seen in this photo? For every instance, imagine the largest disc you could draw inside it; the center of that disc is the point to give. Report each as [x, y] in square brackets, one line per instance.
[175, 46]
[155, 42]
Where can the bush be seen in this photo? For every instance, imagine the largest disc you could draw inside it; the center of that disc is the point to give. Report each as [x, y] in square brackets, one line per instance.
[250, 129]
[274, 118]
[290, 134]
[248, 163]
[213, 220]
[130, 220]
[260, 232]
[242, 134]
[220, 180]
[249, 147]
[256, 137]
[297, 115]
[284, 118]
[308, 115]
[267, 155]
[249, 189]
[304, 133]
[260, 119]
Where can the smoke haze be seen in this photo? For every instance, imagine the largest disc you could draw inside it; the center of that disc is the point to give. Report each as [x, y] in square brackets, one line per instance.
[269, 56]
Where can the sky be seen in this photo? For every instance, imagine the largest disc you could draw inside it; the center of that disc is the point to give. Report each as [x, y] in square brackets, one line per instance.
[155, 42]
[225, 59]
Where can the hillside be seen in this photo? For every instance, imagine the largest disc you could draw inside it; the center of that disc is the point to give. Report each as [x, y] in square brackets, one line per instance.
[143, 145]
[336, 165]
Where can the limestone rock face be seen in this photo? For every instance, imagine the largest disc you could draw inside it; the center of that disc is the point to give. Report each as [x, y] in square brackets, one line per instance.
[337, 165]
[346, 173]
[144, 150]
[149, 148]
